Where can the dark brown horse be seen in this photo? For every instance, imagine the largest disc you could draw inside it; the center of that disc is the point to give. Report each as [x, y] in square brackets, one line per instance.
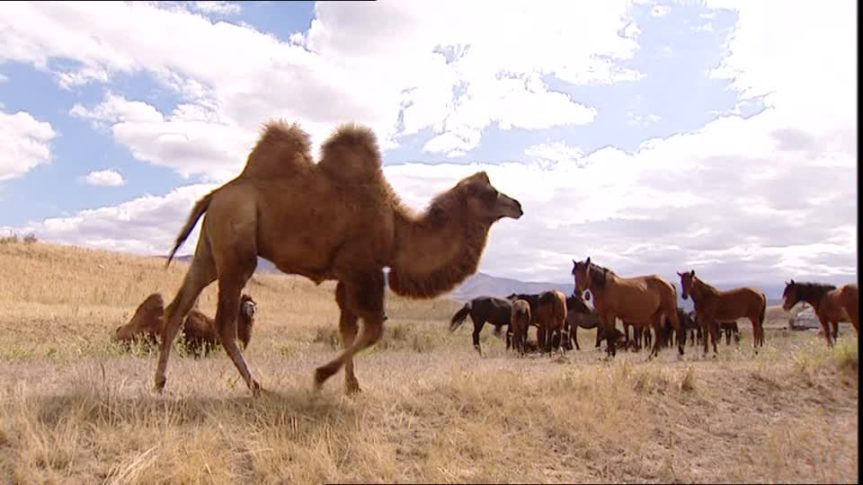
[548, 312]
[638, 299]
[832, 305]
[519, 323]
[578, 314]
[495, 311]
[713, 305]
[730, 329]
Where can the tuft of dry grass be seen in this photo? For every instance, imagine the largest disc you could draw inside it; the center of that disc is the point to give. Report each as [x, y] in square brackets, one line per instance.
[74, 408]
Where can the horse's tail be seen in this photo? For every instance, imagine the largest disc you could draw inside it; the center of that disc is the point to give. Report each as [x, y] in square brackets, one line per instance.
[459, 317]
[763, 311]
[197, 211]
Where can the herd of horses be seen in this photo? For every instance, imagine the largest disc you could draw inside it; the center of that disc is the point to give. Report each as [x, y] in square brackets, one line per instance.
[648, 304]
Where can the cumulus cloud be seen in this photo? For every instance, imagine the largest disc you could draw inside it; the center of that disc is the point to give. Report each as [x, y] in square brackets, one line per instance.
[217, 7]
[24, 144]
[452, 70]
[759, 198]
[104, 178]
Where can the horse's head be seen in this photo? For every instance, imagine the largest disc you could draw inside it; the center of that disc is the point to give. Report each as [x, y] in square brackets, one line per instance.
[484, 201]
[581, 275]
[686, 279]
[790, 296]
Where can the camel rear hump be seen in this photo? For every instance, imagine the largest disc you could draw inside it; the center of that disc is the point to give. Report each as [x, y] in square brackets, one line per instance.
[282, 150]
[352, 154]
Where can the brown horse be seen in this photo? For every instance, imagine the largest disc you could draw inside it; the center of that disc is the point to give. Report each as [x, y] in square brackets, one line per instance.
[578, 314]
[638, 299]
[519, 322]
[548, 312]
[713, 305]
[831, 304]
[730, 328]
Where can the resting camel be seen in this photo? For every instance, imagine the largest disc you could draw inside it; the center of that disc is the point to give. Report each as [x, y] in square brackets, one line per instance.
[713, 305]
[199, 331]
[832, 305]
[145, 324]
[519, 323]
[337, 219]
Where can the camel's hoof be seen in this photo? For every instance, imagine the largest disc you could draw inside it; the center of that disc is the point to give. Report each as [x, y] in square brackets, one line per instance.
[353, 388]
[160, 384]
[256, 389]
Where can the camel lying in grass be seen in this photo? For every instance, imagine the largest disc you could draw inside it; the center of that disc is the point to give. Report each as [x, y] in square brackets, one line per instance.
[199, 331]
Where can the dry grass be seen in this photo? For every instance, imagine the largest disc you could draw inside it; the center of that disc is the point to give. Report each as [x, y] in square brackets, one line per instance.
[75, 409]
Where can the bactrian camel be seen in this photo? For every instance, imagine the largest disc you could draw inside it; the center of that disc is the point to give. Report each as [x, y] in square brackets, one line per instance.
[337, 219]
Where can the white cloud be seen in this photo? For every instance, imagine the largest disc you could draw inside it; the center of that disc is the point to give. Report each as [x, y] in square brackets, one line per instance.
[147, 225]
[245, 77]
[216, 7]
[104, 178]
[24, 144]
[660, 10]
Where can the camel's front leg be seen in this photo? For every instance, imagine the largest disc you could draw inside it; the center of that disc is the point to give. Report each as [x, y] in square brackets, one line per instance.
[348, 328]
[363, 296]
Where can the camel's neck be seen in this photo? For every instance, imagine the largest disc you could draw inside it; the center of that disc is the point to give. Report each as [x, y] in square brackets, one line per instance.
[435, 252]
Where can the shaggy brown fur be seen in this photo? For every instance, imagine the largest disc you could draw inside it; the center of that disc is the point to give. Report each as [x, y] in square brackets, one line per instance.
[519, 323]
[145, 324]
[712, 305]
[200, 335]
[339, 220]
[831, 305]
[642, 299]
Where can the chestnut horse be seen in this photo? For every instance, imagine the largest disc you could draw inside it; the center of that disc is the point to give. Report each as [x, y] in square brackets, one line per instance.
[713, 305]
[548, 312]
[831, 304]
[646, 298]
[519, 323]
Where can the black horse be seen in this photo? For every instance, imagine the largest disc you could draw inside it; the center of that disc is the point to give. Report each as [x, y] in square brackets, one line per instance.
[495, 311]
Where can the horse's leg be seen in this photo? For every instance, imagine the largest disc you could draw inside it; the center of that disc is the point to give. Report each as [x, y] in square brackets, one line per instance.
[836, 331]
[609, 323]
[201, 273]
[364, 297]
[825, 325]
[625, 335]
[348, 329]
[477, 328]
[575, 336]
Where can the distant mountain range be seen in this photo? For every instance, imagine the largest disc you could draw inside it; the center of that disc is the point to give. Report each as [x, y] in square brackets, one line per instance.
[482, 284]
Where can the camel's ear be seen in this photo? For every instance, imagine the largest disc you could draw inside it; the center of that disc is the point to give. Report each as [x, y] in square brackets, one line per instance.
[482, 176]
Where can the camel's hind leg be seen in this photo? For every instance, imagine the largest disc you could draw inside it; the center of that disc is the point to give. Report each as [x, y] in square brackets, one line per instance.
[365, 298]
[201, 273]
[234, 275]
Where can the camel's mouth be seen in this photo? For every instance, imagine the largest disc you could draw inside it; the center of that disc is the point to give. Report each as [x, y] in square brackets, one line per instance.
[509, 207]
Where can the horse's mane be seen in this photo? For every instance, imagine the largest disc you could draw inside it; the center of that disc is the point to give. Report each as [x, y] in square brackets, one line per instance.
[811, 291]
[599, 274]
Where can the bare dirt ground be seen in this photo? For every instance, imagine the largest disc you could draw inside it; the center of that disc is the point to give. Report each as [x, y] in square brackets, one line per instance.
[75, 409]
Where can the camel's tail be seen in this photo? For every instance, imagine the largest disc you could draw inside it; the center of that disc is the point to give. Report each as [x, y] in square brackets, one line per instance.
[197, 212]
[459, 317]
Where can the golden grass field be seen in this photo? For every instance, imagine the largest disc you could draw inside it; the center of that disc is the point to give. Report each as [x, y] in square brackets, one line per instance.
[74, 409]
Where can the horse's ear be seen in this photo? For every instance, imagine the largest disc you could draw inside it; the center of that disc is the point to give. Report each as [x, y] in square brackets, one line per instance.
[692, 273]
[792, 281]
[587, 261]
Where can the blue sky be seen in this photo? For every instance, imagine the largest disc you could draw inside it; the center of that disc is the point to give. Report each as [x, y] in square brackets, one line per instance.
[653, 136]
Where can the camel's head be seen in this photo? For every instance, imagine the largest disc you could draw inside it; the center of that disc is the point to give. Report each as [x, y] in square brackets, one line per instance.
[485, 202]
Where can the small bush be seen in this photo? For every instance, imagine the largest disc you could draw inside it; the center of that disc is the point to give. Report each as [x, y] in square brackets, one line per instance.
[10, 239]
[30, 238]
